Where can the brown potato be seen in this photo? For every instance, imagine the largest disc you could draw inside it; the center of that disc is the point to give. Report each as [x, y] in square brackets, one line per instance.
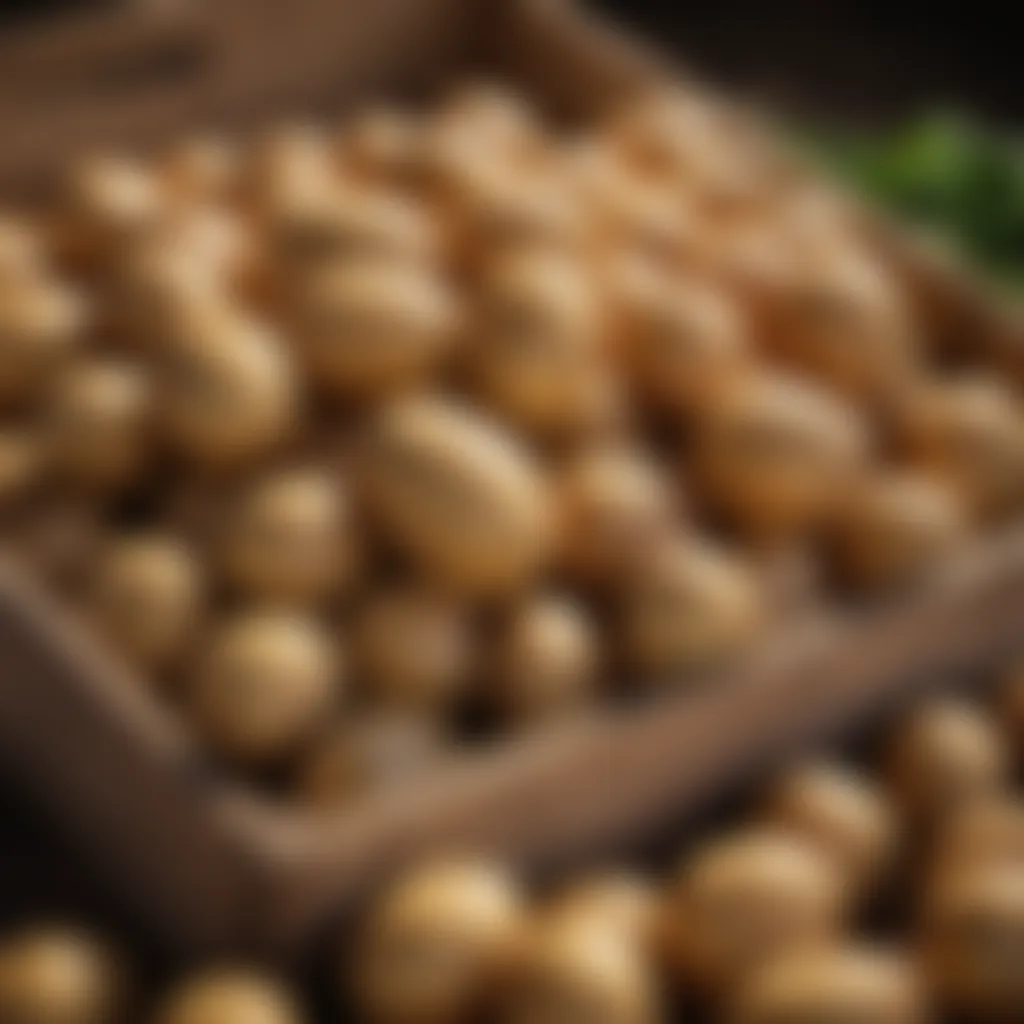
[987, 832]
[894, 528]
[842, 812]
[229, 995]
[368, 754]
[146, 597]
[21, 463]
[746, 898]
[457, 494]
[943, 757]
[380, 144]
[686, 607]
[369, 328]
[229, 392]
[40, 323]
[22, 259]
[436, 944]
[623, 903]
[59, 975]
[570, 973]
[288, 167]
[969, 433]
[200, 169]
[98, 425]
[429, 668]
[546, 660]
[972, 941]
[849, 983]
[288, 537]
[614, 505]
[263, 686]
[775, 456]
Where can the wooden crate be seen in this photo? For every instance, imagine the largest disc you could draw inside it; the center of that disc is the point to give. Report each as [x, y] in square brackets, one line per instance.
[212, 866]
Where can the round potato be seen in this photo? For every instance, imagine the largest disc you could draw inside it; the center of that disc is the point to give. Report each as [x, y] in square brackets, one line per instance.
[229, 995]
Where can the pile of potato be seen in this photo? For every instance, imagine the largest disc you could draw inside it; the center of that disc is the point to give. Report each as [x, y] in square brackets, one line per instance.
[894, 896]
[344, 439]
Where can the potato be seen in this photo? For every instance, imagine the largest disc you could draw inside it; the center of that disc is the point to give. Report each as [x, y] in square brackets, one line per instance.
[848, 983]
[621, 902]
[894, 528]
[288, 537]
[842, 812]
[436, 944]
[287, 167]
[614, 505]
[744, 899]
[22, 259]
[200, 169]
[970, 434]
[370, 328]
[430, 666]
[229, 391]
[380, 145]
[263, 686]
[367, 754]
[55, 974]
[686, 607]
[943, 757]
[146, 597]
[569, 973]
[98, 426]
[22, 460]
[457, 494]
[775, 456]
[40, 324]
[546, 660]
[229, 995]
[972, 941]
[986, 833]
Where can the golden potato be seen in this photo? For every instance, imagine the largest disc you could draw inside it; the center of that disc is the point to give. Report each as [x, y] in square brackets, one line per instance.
[146, 597]
[369, 328]
[380, 144]
[200, 169]
[436, 944]
[55, 974]
[263, 686]
[774, 455]
[943, 757]
[685, 607]
[746, 898]
[842, 812]
[621, 902]
[288, 537]
[546, 660]
[99, 424]
[429, 668]
[847, 983]
[457, 494]
[229, 995]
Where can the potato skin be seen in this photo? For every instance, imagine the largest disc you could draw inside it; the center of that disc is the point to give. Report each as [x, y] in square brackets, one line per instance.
[457, 494]
[229, 995]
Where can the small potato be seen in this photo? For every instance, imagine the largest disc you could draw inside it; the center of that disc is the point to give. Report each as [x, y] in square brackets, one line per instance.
[146, 598]
[21, 464]
[380, 145]
[59, 975]
[686, 607]
[368, 754]
[682, 340]
[969, 433]
[458, 495]
[775, 456]
[972, 941]
[844, 322]
[569, 973]
[287, 167]
[745, 899]
[546, 661]
[201, 169]
[21, 252]
[988, 833]
[943, 757]
[858, 984]
[371, 328]
[40, 325]
[230, 393]
[98, 424]
[229, 995]
[893, 529]
[491, 117]
[289, 537]
[623, 903]
[538, 358]
[264, 684]
[840, 811]
[614, 505]
[436, 944]
[430, 665]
